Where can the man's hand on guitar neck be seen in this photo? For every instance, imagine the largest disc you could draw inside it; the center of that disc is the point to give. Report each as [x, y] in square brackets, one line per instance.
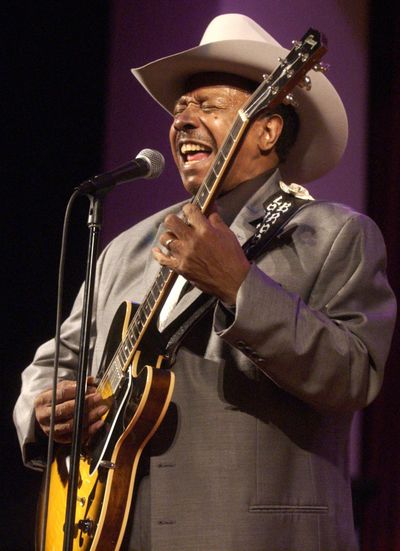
[64, 411]
[205, 251]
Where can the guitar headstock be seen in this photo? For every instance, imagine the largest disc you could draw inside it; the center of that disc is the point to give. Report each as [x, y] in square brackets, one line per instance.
[291, 71]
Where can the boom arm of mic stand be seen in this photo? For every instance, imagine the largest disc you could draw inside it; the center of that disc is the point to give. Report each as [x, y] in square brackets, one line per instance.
[94, 225]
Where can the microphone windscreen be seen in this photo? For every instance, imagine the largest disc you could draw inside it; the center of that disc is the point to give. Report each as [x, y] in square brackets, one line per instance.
[155, 160]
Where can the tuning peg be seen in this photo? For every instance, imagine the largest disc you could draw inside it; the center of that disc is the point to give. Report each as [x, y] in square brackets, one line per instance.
[306, 83]
[296, 44]
[289, 100]
[321, 67]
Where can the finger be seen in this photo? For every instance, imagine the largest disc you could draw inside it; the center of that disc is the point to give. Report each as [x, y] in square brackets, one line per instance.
[216, 221]
[43, 399]
[63, 431]
[194, 217]
[92, 429]
[91, 385]
[176, 226]
[64, 417]
[42, 415]
[97, 414]
[42, 405]
[165, 260]
[94, 400]
[66, 390]
[166, 239]
[65, 411]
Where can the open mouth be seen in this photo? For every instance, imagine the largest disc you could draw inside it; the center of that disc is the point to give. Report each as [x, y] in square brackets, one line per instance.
[193, 152]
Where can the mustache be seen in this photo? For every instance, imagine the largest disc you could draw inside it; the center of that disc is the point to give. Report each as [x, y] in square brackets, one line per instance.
[195, 135]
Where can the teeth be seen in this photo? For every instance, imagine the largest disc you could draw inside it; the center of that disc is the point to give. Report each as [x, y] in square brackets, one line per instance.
[191, 147]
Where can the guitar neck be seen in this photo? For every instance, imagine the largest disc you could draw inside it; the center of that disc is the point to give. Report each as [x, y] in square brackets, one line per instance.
[212, 182]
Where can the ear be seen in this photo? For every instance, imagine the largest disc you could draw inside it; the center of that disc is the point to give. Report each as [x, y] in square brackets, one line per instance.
[271, 128]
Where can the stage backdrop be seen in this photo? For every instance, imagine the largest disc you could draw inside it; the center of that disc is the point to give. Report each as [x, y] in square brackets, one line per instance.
[142, 32]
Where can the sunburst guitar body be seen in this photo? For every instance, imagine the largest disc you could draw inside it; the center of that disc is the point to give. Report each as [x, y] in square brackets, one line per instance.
[138, 398]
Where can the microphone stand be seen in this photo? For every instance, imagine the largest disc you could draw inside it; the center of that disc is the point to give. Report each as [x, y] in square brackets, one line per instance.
[94, 224]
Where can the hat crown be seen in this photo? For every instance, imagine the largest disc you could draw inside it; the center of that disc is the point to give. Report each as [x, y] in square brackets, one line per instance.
[235, 26]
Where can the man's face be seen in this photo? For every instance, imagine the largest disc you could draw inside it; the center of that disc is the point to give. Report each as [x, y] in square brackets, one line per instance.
[202, 119]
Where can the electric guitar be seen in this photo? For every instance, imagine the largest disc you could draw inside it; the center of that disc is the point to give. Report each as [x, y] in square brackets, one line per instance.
[132, 380]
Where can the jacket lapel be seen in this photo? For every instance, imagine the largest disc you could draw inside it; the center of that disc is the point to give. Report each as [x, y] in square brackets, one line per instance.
[244, 225]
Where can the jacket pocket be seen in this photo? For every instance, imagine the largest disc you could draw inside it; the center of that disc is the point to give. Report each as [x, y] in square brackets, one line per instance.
[289, 509]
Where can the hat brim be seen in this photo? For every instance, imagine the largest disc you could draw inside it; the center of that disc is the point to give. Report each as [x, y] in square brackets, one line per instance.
[323, 122]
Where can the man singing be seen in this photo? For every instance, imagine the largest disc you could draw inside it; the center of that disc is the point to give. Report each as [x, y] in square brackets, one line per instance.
[253, 452]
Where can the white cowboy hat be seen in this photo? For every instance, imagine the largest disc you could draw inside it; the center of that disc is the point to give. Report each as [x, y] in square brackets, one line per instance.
[234, 43]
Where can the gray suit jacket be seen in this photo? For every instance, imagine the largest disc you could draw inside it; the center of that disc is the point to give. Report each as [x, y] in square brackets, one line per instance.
[253, 454]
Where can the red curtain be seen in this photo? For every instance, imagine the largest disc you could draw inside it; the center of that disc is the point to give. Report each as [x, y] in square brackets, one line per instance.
[380, 530]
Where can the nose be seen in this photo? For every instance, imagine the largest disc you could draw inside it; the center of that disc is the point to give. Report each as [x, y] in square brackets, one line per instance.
[186, 119]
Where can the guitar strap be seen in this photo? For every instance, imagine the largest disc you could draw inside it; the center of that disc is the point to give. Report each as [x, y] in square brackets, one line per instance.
[279, 209]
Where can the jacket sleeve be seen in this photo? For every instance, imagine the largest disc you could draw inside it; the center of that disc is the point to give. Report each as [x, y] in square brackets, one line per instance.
[37, 377]
[330, 348]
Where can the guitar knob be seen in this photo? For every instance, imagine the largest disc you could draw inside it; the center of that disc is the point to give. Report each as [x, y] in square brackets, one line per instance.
[87, 526]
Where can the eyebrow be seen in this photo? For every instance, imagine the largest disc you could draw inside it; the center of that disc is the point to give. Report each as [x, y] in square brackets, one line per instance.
[199, 98]
[182, 99]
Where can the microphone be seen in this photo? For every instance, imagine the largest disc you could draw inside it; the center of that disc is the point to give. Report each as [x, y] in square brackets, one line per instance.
[148, 164]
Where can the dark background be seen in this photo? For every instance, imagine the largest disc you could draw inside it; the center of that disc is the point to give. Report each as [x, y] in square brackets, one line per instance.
[53, 128]
[53, 134]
